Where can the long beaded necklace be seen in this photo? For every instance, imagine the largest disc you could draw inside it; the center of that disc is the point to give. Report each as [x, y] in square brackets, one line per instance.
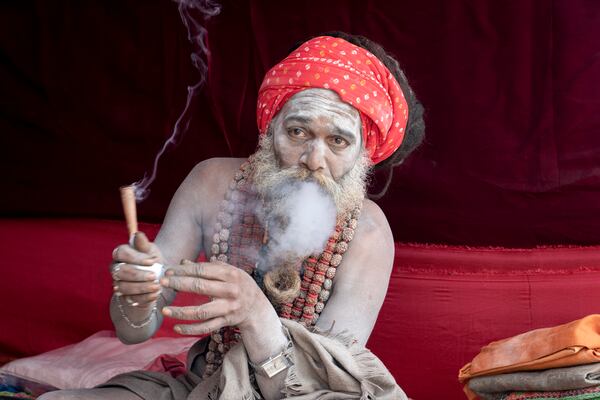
[238, 235]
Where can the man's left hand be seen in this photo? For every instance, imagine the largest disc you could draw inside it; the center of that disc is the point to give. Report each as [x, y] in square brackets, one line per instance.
[236, 297]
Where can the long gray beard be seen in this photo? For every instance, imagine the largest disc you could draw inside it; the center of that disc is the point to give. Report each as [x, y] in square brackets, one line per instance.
[347, 193]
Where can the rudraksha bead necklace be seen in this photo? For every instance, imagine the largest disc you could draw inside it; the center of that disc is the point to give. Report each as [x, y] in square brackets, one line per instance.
[237, 238]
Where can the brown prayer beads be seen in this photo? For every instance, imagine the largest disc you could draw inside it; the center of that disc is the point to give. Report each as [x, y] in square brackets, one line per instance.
[238, 234]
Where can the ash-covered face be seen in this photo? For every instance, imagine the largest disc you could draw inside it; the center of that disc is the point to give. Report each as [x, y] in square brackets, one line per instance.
[319, 132]
[315, 137]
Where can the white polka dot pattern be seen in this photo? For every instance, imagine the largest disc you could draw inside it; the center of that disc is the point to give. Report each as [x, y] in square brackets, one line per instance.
[355, 75]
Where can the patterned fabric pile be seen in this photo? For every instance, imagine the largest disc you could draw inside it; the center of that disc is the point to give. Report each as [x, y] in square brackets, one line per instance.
[561, 362]
[578, 394]
[15, 387]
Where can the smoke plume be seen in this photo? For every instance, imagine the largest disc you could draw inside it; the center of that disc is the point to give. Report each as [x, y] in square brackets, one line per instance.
[193, 13]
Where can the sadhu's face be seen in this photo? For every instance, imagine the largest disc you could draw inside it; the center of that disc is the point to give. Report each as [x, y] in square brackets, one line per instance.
[317, 131]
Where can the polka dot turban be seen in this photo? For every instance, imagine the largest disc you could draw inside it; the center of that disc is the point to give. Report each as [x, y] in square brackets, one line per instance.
[355, 74]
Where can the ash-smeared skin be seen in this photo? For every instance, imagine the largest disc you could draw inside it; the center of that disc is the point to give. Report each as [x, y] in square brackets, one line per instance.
[360, 283]
[317, 130]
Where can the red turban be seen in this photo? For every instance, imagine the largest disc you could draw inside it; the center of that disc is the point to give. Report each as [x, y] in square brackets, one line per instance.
[355, 74]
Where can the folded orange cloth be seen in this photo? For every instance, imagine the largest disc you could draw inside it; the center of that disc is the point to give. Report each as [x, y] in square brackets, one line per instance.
[574, 343]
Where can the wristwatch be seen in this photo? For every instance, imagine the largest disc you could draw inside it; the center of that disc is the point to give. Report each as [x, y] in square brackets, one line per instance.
[277, 363]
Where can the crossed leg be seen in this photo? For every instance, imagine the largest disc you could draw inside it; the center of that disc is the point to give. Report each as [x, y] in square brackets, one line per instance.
[91, 394]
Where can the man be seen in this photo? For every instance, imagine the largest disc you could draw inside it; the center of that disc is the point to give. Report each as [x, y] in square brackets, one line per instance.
[327, 113]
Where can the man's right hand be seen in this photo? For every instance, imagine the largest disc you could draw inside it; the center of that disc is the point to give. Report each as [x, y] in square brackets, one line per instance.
[136, 287]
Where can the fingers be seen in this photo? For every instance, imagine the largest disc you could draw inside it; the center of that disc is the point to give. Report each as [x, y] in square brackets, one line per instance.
[127, 272]
[216, 308]
[137, 294]
[143, 251]
[141, 242]
[202, 328]
[126, 253]
[215, 270]
[142, 299]
[200, 286]
[136, 288]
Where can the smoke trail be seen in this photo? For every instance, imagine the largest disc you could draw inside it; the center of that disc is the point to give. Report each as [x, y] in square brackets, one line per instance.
[193, 13]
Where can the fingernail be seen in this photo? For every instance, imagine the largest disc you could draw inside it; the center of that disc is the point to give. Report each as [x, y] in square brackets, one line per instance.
[186, 261]
[170, 272]
[150, 276]
[135, 304]
[116, 288]
[166, 312]
[118, 294]
[177, 329]
[164, 282]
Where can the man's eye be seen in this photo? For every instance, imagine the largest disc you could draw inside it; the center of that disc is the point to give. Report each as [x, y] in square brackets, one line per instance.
[296, 132]
[339, 141]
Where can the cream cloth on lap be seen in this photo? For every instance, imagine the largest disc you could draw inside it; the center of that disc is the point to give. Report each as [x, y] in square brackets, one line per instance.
[324, 368]
[95, 360]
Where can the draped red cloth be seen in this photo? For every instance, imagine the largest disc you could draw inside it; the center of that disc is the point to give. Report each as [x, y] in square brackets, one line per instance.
[443, 303]
[90, 92]
[355, 74]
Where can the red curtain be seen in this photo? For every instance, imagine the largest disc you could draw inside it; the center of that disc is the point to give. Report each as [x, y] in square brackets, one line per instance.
[511, 91]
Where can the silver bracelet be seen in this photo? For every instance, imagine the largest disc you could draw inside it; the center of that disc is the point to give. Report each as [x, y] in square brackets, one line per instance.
[132, 324]
[277, 363]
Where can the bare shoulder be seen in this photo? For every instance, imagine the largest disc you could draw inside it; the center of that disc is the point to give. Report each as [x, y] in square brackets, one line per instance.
[373, 225]
[215, 170]
[209, 181]
[211, 177]
[204, 187]
[216, 163]
[193, 208]
[371, 249]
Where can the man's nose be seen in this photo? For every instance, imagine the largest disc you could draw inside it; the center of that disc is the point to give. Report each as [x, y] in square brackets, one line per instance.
[313, 157]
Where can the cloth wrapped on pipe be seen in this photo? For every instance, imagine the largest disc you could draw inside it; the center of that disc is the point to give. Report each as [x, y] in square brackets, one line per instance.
[557, 362]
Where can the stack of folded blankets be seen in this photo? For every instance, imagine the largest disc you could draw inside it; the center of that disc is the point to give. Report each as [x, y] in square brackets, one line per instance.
[561, 362]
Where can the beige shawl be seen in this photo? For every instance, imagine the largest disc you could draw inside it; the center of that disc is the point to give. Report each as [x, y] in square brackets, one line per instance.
[325, 367]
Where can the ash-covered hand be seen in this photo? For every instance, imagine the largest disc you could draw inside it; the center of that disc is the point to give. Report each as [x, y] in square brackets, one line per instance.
[236, 298]
[136, 287]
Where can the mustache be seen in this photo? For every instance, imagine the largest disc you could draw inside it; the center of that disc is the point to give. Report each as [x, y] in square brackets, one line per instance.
[306, 175]
[270, 178]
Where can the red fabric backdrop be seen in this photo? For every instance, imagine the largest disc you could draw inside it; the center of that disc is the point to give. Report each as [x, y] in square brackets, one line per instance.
[443, 303]
[90, 90]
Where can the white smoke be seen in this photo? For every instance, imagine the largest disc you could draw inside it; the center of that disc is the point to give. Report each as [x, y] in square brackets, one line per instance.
[193, 13]
[300, 220]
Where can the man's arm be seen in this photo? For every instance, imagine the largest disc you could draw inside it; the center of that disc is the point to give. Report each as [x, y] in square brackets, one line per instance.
[360, 285]
[180, 237]
[362, 278]
[359, 289]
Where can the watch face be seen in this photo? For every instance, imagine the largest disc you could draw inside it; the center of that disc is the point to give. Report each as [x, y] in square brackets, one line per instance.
[280, 362]
[276, 365]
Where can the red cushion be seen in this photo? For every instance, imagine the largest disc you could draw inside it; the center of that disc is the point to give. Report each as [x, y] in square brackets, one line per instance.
[443, 303]
[56, 282]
